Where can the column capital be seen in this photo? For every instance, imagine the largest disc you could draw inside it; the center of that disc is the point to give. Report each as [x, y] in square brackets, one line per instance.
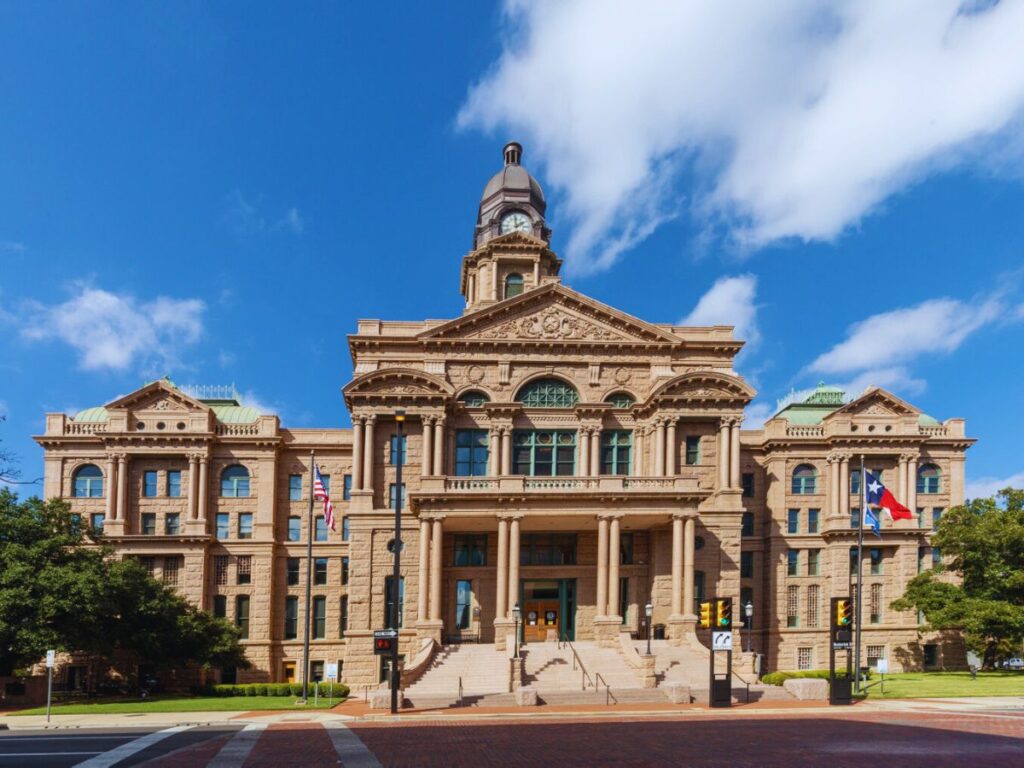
[908, 456]
[369, 418]
[685, 514]
[432, 517]
[611, 516]
[834, 457]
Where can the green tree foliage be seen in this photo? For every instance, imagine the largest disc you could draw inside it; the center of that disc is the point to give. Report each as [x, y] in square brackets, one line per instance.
[61, 588]
[983, 542]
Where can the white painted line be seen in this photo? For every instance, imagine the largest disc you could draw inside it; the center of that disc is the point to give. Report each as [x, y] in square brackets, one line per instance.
[43, 754]
[235, 751]
[350, 748]
[116, 755]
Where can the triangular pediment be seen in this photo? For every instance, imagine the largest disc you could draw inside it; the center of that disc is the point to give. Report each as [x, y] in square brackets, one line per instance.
[876, 402]
[159, 395]
[551, 313]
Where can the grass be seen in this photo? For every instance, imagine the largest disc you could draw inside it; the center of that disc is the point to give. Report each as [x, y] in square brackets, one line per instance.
[177, 704]
[915, 685]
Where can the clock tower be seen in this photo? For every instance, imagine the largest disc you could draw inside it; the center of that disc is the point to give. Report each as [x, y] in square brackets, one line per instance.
[510, 242]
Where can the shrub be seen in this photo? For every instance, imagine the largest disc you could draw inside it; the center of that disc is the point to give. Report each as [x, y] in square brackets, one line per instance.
[261, 690]
[250, 690]
[779, 677]
[296, 689]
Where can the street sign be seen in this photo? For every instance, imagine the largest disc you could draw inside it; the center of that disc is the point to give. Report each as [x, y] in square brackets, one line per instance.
[50, 658]
[331, 670]
[842, 646]
[882, 665]
[384, 633]
[721, 641]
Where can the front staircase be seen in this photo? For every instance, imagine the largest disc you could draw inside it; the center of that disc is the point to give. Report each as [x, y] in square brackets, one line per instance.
[482, 672]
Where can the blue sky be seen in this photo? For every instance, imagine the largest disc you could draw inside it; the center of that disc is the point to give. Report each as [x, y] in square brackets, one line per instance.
[218, 191]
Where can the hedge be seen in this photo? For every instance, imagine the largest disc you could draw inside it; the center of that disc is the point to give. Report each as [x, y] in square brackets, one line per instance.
[778, 678]
[340, 690]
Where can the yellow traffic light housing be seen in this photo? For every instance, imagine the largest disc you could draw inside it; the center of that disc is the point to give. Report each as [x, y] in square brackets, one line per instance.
[706, 613]
[724, 613]
[844, 613]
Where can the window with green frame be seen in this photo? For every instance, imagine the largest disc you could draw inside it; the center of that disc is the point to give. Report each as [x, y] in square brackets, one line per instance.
[471, 452]
[547, 549]
[474, 399]
[804, 479]
[692, 450]
[616, 451]
[544, 453]
[393, 454]
[620, 400]
[470, 549]
[548, 393]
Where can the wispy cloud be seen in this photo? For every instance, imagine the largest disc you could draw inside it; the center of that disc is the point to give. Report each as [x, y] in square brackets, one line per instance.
[253, 400]
[776, 120]
[730, 301]
[988, 486]
[11, 246]
[756, 414]
[116, 331]
[248, 217]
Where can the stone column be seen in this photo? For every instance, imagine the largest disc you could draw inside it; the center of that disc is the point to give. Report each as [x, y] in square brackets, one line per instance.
[602, 566]
[193, 498]
[595, 452]
[204, 486]
[428, 445]
[844, 487]
[638, 451]
[911, 501]
[501, 600]
[689, 551]
[368, 450]
[614, 540]
[671, 450]
[436, 541]
[677, 565]
[111, 488]
[506, 451]
[584, 467]
[833, 474]
[659, 449]
[422, 600]
[513, 563]
[357, 453]
[439, 447]
[122, 487]
[734, 454]
[723, 455]
[901, 484]
[494, 457]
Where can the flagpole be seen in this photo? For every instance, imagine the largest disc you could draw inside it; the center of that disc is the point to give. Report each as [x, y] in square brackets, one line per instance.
[309, 580]
[860, 571]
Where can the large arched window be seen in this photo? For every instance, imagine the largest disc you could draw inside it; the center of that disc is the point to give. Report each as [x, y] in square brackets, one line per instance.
[548, 393]
[88, 482]
[234, 482]
[929, 479]
[513, 285]
[474, 398]
[804, 479]
[620, 400]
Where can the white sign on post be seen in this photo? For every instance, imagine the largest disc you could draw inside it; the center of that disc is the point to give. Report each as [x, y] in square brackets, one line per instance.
[50, 658]
[721, 641]
[882, 665]
[331, 670]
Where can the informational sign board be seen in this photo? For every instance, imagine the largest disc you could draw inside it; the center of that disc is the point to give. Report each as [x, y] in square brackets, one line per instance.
[50, 658]
[331, 670]
[842, 646]
[385, 633]
[721, 641]
[882, 665]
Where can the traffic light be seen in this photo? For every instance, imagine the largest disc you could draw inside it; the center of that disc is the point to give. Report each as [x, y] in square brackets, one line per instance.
[844, 613]
[707, 611]
[725, 613]
[382, 646]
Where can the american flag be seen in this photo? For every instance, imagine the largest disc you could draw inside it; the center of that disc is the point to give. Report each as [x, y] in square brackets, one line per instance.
[320, 492]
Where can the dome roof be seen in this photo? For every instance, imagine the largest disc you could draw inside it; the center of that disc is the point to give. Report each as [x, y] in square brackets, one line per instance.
[513, 178]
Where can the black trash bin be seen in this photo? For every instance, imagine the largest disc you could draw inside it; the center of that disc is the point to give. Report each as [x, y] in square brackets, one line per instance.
[659, 631]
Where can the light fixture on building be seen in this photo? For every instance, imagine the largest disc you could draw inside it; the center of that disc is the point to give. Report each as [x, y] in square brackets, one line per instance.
[748, 611]
[649, 612]
[517, 615]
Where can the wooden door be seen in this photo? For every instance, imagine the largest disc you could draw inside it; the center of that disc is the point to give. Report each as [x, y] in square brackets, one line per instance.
[540, 618]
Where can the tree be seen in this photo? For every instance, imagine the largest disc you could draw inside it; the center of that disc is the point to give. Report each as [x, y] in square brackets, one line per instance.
[60, 587]
[8, 472]
[984, 543]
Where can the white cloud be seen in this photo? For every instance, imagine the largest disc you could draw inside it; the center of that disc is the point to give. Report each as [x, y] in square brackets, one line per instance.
[730, 301]
[895, 379]
[984, 487]
[252, 400]
[3, 410]
[293, 221]
[11, 246]
[115, 331]
[248, 218]
[789, 119]
[756, 414]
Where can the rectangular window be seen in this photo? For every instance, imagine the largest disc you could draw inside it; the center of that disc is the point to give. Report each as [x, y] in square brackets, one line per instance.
[876, 603]
[813, 601]
[291, 617]
[174, 483]
[393, 456]
[149, 563]
[793, 562]
[148, 523]
[220, 606]
[623, 598]
[96, 520]
[855, 520]
[344, 570]
[220, 570]
[544, 453]
[813, 562]
[346, 488]
[748, 485]
[321, 529]
[875, 652]
[936, 516]
[172, 524]
[392, 493]
[293, 571]
[294, 487]
[320, 571]
[626, 548]
[343, 618]
[326, 481]
[243, 569]
[547, 549]
[319, 617]
[149, 483]
[245, 525]
[692, 450]
[471, 452]
[242, 616]
[223, 525]
[853, 561]
[746, 565]
[792, 606]
[470, 549]
[345, 532]
[171, 566]
[921, 554]
[936, 558]
[793, 521]
[388, 604]
[876, 561]
[804, 658]
[747, 524]
[295, 528]
[616, 451]
[463, 603]
[812, 520]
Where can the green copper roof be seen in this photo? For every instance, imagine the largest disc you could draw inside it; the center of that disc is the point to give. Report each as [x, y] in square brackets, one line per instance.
[928, 421]
[98, 413]
[235, 414]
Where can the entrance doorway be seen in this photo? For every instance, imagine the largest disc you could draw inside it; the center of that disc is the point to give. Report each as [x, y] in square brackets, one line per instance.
[548, 609]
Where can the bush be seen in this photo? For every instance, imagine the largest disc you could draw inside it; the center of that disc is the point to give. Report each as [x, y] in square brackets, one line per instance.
[281, 689]
[261, 690]
[250, 690]
[779, 677]
[296, 689]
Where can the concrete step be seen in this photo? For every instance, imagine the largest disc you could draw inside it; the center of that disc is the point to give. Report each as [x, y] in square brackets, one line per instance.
[590, 696]
[426, 701]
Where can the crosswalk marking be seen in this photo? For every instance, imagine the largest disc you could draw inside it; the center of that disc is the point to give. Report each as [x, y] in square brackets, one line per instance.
[233, 753]
[350, 748]
[116, 755]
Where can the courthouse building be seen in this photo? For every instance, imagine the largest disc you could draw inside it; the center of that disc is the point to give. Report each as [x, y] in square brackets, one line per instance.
[560, 455]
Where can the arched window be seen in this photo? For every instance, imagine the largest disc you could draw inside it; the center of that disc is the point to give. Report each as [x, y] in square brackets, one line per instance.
[804, 479]
[234, 482]
[548, 393]
[620, 400]
[88, 482]
[513, 285]
[928, 479]
[474, 399]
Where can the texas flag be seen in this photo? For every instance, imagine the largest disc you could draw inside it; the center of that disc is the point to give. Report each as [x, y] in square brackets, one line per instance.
[881, 496]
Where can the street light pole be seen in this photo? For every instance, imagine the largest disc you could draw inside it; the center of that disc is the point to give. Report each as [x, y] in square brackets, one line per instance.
[396, 576]
[649, 612]
[516, 614]
[748, 610]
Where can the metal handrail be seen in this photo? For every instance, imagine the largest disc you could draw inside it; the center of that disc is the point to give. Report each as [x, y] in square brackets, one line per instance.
[742, 680]
[607, 689]
[460, 690]
[564, 641]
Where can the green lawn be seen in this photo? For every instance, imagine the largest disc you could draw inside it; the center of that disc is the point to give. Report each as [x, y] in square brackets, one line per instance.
[172, 704]
[913, 685]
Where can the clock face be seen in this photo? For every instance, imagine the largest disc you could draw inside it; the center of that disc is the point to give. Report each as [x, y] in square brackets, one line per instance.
[516, 221]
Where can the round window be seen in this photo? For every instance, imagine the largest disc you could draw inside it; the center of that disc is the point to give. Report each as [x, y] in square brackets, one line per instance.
[140, 425]
[160, 425]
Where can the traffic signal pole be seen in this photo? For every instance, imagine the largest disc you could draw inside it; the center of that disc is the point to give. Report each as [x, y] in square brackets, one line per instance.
[860, 575]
